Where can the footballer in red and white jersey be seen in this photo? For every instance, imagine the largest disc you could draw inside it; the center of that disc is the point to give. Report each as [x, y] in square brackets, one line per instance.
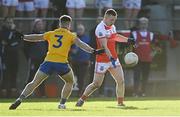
[108, 32]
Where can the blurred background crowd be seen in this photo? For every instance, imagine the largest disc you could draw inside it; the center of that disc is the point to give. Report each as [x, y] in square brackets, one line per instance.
[19, 60]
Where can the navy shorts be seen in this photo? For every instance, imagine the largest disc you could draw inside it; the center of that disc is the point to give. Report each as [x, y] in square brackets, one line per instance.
[53, 67]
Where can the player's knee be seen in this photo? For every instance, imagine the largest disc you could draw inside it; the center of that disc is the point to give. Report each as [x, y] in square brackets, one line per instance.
[69, 81]
[120, 82]
[31, 85]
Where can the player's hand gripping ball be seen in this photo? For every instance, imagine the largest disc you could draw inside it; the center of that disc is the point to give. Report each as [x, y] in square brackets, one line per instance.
[131, 59]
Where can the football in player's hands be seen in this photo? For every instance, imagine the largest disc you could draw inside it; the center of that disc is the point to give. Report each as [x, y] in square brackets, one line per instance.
[98, 51]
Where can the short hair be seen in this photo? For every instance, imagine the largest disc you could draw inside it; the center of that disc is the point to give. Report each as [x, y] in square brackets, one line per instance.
[111, 12]
[143, 19]
[65, 19]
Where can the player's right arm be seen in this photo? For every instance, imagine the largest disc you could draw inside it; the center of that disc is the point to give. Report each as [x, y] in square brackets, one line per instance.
[103, 42]
[100, 33]
[34, 37]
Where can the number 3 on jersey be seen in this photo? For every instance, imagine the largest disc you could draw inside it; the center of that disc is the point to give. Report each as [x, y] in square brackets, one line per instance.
[59, 37]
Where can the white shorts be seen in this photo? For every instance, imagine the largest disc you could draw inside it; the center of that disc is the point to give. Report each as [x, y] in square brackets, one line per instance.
[25, 6]
[9, 2]
[41, 4]
[75, 4]
[103, 67]
[132, 4]
[104, 3]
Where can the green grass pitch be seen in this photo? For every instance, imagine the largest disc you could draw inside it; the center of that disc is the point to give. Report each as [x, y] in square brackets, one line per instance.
[94, 107]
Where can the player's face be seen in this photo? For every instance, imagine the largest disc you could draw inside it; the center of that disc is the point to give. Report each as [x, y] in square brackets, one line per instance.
[143, 25]
[110, 20]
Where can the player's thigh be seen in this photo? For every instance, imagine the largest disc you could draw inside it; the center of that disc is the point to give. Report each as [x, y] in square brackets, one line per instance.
[39, 77]
[117, 73]
[98, 79]
[99, 72]
[68, 77]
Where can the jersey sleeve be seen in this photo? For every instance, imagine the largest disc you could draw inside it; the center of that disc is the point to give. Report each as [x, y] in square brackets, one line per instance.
[114, 29]
[46, 35]
[73, 37]
[100, 32]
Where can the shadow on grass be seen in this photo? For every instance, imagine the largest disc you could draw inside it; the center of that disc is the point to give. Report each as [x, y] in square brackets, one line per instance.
[73, 109]
[127, 108]
[2, 100]
[68, 109]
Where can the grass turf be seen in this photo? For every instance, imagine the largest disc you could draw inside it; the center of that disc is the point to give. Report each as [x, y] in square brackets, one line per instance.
[94, 107]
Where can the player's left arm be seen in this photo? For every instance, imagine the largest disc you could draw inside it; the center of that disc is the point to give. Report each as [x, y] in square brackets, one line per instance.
[121, 38]
[87, 48]
[34, 37]
[83, 45]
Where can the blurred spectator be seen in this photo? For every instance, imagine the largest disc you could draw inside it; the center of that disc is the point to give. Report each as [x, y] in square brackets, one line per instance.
[41, 8]
[132, 8]
[103, 5]
[26, 9]
[10, 40]
[80, 59]
[75, 9]
[36, 52]
[9, 7]
[143, 48]
[59, 8]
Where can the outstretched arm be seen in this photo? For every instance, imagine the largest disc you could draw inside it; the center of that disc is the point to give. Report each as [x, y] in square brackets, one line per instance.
[120, 38]
[84, 46]
[34, 37]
